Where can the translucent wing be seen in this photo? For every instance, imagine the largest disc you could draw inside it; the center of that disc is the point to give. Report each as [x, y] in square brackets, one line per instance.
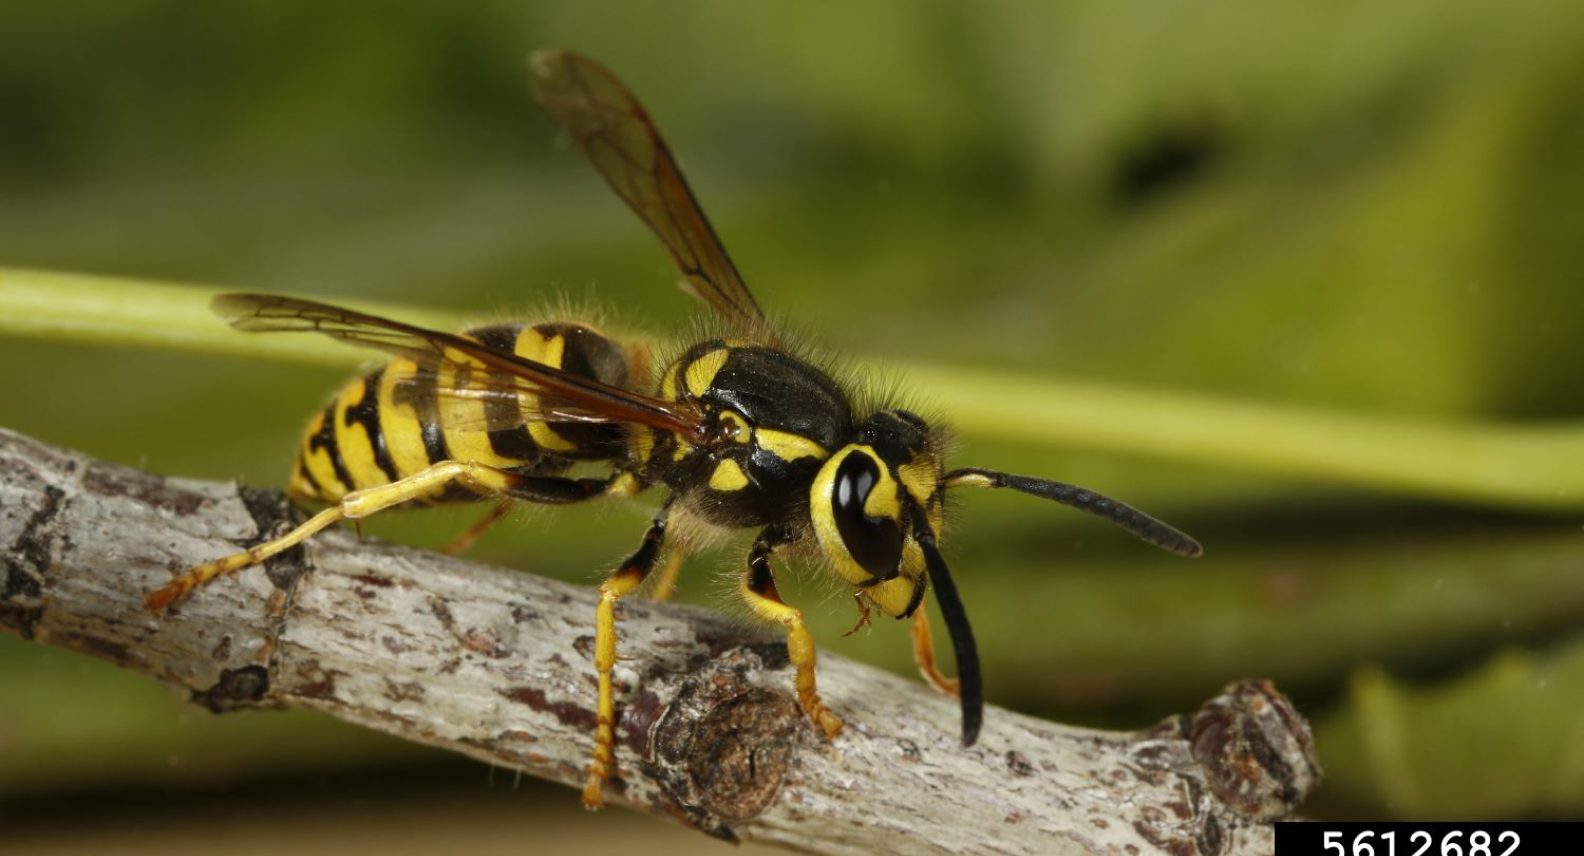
[494, 390]
[616, 134]
[488, 373]
[496, 402]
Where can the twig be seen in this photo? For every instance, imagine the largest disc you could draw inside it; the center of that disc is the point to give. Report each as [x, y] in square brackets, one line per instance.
[496, 665]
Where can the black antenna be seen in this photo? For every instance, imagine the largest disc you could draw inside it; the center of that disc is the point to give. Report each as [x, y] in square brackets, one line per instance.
[970, 682]
[1160, 534]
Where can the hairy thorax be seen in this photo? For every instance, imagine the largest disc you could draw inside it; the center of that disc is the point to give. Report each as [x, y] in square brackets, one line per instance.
[773, 420]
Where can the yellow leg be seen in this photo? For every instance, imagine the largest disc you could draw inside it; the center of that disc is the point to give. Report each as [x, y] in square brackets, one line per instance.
[362, 503]
[464, 542]
[665, 583]
[157, 600]
[759, 591]
[628, 577]
[924, 654]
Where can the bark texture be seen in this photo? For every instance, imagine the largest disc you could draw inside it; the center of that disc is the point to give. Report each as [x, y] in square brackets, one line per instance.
[497, 665]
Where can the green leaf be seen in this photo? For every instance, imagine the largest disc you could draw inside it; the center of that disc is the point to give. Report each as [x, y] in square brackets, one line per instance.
[1502, 741]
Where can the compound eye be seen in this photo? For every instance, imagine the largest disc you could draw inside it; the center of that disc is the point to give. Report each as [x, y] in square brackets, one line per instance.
[875, 543]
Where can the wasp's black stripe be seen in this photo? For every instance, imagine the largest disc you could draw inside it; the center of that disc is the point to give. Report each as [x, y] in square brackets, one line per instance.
[366, 413]
[326, 440]
[308, 476]
[574, 352]
[418, 392]
[591, 355]
[514, 443]
[512, 440]
[501, 337]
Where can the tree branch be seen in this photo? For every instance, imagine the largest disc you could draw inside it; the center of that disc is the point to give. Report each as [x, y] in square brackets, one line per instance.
[497, 665]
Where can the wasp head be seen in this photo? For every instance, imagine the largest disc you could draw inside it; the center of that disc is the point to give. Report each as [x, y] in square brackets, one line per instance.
[876, 506]
[871, 502]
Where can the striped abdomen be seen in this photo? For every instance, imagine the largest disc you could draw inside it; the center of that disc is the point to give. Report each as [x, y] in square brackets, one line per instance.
[393, 422]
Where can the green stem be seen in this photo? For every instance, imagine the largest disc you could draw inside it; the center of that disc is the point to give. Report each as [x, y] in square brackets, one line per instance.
[1525, 467]
[1520, 466]
[70, 307]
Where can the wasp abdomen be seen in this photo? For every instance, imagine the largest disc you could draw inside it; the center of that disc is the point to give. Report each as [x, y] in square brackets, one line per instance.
[399, 419]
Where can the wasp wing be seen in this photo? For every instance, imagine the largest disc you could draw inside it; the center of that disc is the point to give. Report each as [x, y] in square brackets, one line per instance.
[616, 134]
[517, 400]
[488, 373]
[485, 402]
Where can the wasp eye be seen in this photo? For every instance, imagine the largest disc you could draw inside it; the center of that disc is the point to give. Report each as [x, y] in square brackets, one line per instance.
[875, 543]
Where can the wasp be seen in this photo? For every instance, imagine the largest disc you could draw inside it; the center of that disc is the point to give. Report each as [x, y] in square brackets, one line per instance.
[739, 429]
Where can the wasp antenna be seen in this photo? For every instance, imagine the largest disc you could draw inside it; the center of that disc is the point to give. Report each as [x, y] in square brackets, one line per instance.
[1156, 532]
[970, 687]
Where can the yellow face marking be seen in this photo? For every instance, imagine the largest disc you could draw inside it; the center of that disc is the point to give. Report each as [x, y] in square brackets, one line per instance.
[728, 477]
[788, 446]
[702, 371]
[682, 449]
[893, 596]
[824, 518]
[883, 500]
[920, 478]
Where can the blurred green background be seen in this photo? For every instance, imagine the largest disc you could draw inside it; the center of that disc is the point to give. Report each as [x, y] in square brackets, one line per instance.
[1360, 207]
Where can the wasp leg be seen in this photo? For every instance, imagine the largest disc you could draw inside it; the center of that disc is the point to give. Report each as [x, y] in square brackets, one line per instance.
[156, 601]
[465, 541]
[666, 580]
[924, 655]
[629, 576]
[759, 590]
[863, 614]
[362, 503]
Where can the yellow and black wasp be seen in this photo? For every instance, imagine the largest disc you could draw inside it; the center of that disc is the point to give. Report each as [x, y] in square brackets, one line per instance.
[740, 431]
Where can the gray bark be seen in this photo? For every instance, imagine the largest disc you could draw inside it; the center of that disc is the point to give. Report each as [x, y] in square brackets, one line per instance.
[497, 665]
